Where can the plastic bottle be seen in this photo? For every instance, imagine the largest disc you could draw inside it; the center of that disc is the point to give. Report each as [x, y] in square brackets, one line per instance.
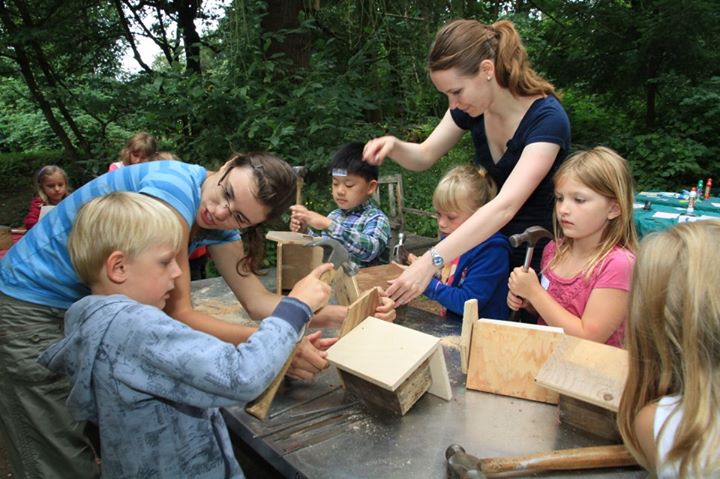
[700, 189]
[691, 201]
[708, 186]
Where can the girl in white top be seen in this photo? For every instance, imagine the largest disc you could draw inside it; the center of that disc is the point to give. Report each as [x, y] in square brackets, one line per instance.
[669, 413]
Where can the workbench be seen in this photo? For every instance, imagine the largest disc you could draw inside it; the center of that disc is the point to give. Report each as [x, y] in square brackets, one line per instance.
[356, 442]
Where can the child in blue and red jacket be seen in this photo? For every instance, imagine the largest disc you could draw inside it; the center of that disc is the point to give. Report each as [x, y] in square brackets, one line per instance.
[481, 273]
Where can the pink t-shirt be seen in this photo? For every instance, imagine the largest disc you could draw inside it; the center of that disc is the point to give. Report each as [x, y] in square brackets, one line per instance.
[614, 272]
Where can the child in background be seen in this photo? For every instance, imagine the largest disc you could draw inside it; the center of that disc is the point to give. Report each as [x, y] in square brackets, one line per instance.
[669, 413]
[139, 148]
[359, 225]
[52, 186]
[482, 272]
[152, 384]
[586, 271]
[164, 155]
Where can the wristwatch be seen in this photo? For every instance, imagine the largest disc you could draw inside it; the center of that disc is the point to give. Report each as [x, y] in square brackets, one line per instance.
[437, 260]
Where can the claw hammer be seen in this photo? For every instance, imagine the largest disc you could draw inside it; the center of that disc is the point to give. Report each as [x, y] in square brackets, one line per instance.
[461, 465]
[530, 237]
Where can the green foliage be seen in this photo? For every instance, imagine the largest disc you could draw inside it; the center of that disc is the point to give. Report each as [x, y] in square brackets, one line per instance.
[663, 162]
[640, 77]
[21, 167]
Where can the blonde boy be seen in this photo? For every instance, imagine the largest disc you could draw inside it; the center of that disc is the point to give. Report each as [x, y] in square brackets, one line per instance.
[152, 384]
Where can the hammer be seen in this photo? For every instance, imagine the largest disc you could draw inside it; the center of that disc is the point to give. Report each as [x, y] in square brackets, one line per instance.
[461, 465]
[335, 253]
[299, 181]
[530, 236]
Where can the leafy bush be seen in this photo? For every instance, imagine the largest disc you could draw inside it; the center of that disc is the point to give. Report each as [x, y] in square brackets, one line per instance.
[21, 167]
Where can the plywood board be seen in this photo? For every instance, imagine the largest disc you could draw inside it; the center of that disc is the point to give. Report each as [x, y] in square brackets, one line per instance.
[363, 307]
[586, 370]
[505, 357]
[368, 278]
[288, 237]
[382, 353]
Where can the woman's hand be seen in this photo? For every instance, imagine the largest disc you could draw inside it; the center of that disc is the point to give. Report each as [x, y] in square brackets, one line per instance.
[523, 283]
[310, 357]
[412, 282]
[377, 149]
[311, 290]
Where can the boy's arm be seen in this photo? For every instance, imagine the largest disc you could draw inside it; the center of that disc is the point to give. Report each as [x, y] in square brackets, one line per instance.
[302, 218]
[190, 367]
[365, 238]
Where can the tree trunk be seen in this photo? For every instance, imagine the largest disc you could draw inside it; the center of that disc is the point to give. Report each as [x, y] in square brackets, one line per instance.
[23, 61]
[187, 12]
[49, 76]
[283, 14]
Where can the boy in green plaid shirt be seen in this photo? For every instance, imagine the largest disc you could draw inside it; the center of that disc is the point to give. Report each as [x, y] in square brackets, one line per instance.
[359, 225]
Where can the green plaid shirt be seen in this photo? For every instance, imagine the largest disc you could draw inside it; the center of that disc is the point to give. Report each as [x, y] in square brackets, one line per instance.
[364, 231]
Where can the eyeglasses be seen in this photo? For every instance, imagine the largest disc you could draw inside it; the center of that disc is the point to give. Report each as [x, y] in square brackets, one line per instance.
[241, 220]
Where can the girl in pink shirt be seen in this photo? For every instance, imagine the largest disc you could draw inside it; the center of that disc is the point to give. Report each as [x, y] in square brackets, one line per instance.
[586, 271]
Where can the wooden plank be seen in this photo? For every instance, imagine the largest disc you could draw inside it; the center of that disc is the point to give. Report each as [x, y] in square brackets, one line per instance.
[346, 288]
[591, 372]
[363, 307]
[398, 401]
[377, 276]
[505, 357]
[294, 262]
[589, 418]
[440, 386]
[288, 237]
[470, 315]
[381, 352]
[260, 406]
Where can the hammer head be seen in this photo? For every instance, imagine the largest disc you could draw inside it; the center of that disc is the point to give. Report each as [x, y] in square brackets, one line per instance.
[334, 252]
[529, 237]
[461, 465]
[300, 171]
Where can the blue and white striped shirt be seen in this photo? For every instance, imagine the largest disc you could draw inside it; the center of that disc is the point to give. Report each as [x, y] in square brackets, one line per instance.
[38, 269]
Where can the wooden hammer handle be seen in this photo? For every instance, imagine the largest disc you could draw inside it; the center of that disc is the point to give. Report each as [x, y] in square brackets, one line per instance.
[561, 460]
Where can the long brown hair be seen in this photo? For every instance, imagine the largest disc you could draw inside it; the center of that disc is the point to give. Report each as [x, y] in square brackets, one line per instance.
[673, 342]
[463, 44]
[141, 142]
[276, 184]
[606, 173]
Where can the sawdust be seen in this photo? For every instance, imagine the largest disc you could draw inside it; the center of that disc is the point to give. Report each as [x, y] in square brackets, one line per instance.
[452, 342]
[231, 313]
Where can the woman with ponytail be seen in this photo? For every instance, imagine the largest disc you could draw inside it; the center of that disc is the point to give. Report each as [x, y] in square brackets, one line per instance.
[519, 129]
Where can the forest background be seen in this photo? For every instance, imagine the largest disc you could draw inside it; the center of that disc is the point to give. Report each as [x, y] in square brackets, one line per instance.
[301, 77]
